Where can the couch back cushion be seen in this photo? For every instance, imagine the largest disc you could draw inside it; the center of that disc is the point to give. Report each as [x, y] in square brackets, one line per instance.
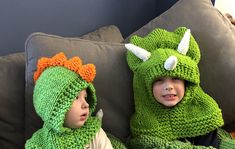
[110, 33]
[12, 88]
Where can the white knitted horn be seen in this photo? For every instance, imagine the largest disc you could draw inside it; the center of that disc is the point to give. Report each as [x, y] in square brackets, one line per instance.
[171, 62]
[100, 114]
[184, 43]
[138, 51]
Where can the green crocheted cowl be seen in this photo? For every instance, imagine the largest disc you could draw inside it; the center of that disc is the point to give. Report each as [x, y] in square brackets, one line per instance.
[196, 114]
[54, 93]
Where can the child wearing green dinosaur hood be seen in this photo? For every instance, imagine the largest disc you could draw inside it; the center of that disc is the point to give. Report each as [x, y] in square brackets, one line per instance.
[64, 97]
[171, 109]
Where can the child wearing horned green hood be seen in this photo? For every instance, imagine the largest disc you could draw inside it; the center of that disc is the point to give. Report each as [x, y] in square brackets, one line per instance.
[171, 109]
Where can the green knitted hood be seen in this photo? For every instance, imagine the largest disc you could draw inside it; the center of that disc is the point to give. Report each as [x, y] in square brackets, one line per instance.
[54, 92]
[196, 114]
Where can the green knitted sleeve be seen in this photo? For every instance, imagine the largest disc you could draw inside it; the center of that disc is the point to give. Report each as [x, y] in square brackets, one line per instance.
[146, 142]
[116, 143]
[226, 140]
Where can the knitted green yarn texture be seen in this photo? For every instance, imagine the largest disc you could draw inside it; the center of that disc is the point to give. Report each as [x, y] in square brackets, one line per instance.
[196, 114]
[116, 143]
[150, 142]
[73, 138]
[226, 140]
[54, 93]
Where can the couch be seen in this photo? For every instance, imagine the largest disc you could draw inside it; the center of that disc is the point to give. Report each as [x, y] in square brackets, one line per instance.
[96, 40]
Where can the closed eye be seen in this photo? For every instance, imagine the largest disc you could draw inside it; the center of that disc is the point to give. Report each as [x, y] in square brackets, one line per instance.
[175, 78]
[159, 80]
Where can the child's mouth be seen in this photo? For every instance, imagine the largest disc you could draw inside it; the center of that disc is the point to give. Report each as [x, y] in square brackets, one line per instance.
[83, 117]
[169, 96]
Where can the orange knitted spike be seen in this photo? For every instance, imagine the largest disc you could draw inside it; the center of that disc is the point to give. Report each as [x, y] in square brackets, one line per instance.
[36, 76]
[58, 59]
[73, 64]
[233, 134]
[42, 64]
[88, 72]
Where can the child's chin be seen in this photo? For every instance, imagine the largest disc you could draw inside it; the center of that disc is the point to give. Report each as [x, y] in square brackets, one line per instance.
[170, 104]
[78, 125]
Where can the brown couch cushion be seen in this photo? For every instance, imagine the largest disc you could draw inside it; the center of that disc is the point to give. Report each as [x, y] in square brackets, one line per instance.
[112, 83]
[216, 38]
[12, 88]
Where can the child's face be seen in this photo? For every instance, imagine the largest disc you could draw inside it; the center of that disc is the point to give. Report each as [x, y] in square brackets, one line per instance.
[79, 112]
[169, 91]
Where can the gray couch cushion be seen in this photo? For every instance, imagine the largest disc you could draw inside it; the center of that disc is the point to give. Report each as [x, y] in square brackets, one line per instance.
[12, 88]
[216, 38]
[109, 33]
[112, 83]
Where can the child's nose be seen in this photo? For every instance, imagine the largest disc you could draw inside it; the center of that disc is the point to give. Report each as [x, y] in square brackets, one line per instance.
[85, 104]
[168, 88]
[168, 85]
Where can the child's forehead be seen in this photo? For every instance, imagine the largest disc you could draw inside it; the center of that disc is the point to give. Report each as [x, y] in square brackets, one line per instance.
[83, 92]
[167, 78]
